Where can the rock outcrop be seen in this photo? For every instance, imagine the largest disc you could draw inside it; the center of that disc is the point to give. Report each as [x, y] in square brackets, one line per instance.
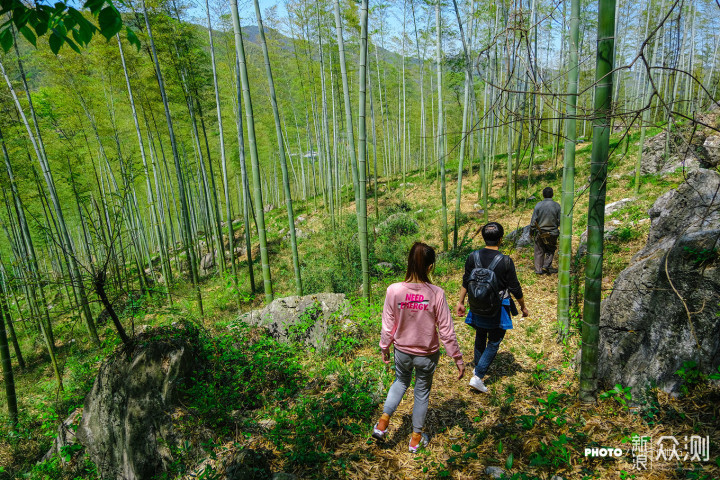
[693, 146]
[65, 436]
[655, 160]
[613, 207]
[306, 319]
[207, 263]
[712, 147]
[519, 238]
[126, 425]
[663, 309]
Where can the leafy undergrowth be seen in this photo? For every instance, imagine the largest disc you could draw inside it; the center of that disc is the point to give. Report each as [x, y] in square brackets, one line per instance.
[312, 412]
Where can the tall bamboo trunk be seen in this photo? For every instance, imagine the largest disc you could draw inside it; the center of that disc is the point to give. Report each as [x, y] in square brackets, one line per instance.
[466, 110]
[257, 188]
[189, 250]
[346, 96]
[281, 148]
[440, 127]
[162, 251]
[223, 160]
[596, 208]
[568, 180]
[8, 377]
[647, 99]
[362, 151]
[246, 202]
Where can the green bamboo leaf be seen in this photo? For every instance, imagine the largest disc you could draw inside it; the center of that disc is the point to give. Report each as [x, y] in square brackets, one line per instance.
[20, 16]
[94, 5]
[41, 28]
[500, 447]
[456, 448]
[132, 38]
[109, 21]
[73, 45]
[6, 39]
[56, 42]
[509, 461]
[29, 35]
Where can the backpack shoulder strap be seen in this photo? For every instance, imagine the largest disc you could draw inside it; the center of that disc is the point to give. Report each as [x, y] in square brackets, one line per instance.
[476, 259]
[495, 261]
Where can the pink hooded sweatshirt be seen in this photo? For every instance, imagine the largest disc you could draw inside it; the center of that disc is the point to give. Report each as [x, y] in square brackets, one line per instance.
[413, 315]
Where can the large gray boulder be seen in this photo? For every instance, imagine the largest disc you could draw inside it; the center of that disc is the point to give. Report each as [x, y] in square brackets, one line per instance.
[302, 319]
[663, 310]
[692, 207]
[519, 238]
[207, 262]
[654, 159]
[613, 207]
[692, 146]
[126, 424]
[712, 147]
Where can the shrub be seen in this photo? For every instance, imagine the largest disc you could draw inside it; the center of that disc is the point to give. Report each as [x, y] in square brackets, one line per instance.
[402, 207]
[310, 432]
[398, 225]
[239, 372]
[338, 268]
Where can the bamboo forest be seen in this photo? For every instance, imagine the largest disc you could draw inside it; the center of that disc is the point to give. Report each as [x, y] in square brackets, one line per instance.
[231, 232]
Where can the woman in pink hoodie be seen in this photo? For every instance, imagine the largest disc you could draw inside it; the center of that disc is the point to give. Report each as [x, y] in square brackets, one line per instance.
[416, 313]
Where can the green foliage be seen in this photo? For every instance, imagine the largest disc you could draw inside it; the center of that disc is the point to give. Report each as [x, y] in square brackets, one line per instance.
[625, 234]
[620, 394]
[651, 179]
[336, 266]
[398, 225]
[401, 207]
[394, 239]
[554, 454]
[239, 371]
[77, 466]
[691, 375]
[358, 329]
[459, 456]
[63, 21]
[308, 432]
[298, 332]
[700, 257]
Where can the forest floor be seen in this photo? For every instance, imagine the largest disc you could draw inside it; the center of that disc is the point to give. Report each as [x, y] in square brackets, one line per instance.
[530, 423]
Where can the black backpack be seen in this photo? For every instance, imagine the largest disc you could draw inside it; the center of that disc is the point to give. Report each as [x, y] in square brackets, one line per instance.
[484, 295]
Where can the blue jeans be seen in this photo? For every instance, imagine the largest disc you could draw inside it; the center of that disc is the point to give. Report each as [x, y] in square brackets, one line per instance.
[487, 342]
[424, 371]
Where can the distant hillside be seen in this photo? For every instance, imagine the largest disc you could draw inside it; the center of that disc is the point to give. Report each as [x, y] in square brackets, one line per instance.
[252, 34]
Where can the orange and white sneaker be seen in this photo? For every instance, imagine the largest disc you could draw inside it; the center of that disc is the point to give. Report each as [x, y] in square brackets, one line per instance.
[381, 427]
[418, 440]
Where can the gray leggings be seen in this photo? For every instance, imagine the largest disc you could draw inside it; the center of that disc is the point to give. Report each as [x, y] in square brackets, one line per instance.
[424, 370]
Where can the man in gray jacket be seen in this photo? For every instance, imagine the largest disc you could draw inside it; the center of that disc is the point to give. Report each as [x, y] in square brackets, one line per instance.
[545, 229]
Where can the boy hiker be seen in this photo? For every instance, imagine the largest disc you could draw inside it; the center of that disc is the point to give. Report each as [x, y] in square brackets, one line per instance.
[488, 281]
[545, 230]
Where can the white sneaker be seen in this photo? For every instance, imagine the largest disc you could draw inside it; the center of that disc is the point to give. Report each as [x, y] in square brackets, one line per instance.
[377, 433]
[424, 440]
[477, 383]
